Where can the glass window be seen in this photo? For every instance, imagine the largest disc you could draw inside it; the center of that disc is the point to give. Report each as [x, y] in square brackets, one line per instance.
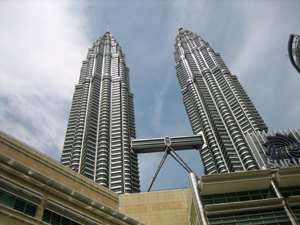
[74, 223]
[255, 197]
[242, 193]
[244, 198]
[1, 195]
[281, 219]
[8, 200]
[213, 216]
[295, 188]
[237, 196]
[216, 221]
[30, 209]
[207, 202]
[269, 220]
[286, 194]
[230, 194]
[228, 220]
[65, 221]
[20, 205]
[242, 218]
[267, 216]
[220, 200]
[47, 216]
[232, 199]
[240, 214]
[56, 219]
[255, 217]
[295, 192]
[254, 192]
[205, 197]
[269, 194]
[218, 196]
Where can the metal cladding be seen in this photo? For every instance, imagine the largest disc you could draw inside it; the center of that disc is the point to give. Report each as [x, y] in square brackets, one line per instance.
[101, 122]
[149, 145]
[294, 51]
[217, 105]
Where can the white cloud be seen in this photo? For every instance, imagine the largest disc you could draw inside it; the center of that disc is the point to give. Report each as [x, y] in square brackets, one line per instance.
[257, 40]
[261, 64]
[41, 49]
[159, 98]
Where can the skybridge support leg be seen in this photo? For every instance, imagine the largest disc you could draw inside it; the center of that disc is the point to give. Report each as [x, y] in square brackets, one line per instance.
[159, 167]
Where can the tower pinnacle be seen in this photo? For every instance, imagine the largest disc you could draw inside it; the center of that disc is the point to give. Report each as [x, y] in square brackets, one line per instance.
[180, 28]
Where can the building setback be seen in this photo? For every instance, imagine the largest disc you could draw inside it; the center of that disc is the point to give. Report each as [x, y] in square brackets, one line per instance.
[217, 105]
[101, 122]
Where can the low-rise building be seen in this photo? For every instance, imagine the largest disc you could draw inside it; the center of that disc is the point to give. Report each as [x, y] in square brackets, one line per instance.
[35, 189]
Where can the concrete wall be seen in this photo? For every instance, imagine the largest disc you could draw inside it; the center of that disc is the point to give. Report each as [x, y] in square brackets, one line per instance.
[153, 208]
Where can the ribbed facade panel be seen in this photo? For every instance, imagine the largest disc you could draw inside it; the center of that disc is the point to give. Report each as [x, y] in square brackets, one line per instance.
[217, 105]
[101, 123]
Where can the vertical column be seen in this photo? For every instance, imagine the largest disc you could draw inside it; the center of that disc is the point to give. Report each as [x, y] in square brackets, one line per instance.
[286, 207]
[103, 157]
[40, 209]
[104, 134]
[126, 140]
[197, 198]
[76, 154]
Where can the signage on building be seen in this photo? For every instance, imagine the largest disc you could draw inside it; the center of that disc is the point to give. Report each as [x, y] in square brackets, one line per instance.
[285, 149]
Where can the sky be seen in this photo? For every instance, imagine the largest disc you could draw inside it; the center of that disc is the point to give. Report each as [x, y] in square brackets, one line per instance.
[43, 43]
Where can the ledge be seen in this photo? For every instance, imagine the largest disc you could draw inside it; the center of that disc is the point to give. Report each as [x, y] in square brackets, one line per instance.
[293, 200]
[242, 206]
[288, 176]
[235, 182]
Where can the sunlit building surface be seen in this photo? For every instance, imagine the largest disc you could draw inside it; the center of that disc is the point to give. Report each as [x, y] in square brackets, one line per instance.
[217, 105]
[250, 197]
[101, 122]
[35, 189]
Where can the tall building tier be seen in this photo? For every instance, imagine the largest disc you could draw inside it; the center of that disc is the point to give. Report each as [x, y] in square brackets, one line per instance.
[101, 122]
[217, 105]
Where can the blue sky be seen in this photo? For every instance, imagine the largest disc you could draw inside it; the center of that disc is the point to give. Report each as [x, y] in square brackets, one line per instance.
[42, 44]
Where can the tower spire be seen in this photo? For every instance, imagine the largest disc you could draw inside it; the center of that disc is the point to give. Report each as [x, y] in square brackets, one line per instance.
[107, 30]
[180, 28]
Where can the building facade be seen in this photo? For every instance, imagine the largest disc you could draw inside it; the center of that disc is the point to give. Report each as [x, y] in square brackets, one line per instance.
[250, 197]
[35, 189]
[101, 122]
[217, 105]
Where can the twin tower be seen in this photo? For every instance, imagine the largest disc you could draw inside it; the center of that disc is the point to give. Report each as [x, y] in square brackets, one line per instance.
[101, 124]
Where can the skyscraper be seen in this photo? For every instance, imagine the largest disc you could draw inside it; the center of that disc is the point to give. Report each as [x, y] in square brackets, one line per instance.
[101, 122]
[216, 104]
